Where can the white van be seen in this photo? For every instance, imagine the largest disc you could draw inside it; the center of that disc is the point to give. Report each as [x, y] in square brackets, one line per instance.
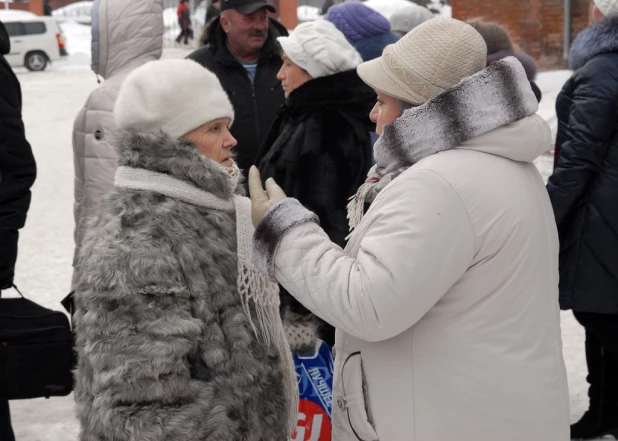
[35, 41]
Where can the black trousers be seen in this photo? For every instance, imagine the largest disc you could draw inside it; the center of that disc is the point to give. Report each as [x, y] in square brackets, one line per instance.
[602, 360]
[6, 431]
[186, 33]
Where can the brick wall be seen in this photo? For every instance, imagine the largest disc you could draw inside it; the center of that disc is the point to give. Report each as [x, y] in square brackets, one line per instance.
[536, 26]
[35, 6]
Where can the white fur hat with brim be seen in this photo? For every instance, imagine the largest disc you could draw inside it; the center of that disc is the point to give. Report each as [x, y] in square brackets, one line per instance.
[320, 48]
[173, 96]
[430, 59]
[607, 7]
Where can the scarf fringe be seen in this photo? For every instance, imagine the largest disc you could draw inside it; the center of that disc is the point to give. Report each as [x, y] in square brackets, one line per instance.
[259, 294]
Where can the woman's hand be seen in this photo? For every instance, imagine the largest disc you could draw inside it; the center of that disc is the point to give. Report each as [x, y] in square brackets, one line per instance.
[261, 200]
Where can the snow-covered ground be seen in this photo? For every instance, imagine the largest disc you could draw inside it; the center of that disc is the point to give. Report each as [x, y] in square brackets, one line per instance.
[51, 102]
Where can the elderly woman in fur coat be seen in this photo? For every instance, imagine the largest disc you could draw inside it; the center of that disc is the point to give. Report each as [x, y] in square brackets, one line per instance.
[319, 147]
[179, 338]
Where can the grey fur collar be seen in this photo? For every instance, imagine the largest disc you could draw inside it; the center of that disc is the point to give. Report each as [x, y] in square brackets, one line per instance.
[601, 37]
[494, 97]
[179, 159]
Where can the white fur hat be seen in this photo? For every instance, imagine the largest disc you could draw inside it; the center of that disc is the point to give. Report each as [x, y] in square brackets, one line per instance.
[175, 96]
[320, 48]
[607, 7]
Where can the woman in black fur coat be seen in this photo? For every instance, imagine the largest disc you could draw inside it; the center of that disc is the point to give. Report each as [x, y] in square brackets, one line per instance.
[319, 149]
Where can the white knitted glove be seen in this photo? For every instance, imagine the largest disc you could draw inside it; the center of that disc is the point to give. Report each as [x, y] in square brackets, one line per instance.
[261, 200]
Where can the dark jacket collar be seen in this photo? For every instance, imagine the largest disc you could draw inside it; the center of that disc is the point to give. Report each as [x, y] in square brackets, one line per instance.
[601, 37]
[181, 160]
[5, 43]
[217, 42]
[343, 91]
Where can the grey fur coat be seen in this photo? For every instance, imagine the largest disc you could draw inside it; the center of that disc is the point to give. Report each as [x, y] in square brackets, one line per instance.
[166, 352]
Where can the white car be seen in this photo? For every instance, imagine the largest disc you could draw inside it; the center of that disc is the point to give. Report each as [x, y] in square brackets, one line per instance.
[35, 41]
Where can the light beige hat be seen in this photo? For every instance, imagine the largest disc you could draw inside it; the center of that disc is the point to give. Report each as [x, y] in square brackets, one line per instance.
[607, 7]
[430, 59]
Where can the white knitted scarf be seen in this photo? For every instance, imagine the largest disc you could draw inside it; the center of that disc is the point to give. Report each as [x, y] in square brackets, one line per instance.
[256, 291]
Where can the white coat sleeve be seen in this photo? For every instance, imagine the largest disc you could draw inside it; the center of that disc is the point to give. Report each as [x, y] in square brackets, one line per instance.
[418, 245]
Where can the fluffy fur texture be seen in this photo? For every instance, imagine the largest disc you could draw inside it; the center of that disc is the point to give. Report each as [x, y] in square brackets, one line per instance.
[492, 98]
[278, 220]
[150, 99]
[526, 61]
[166, 351]
[498, 95]
[599, 38]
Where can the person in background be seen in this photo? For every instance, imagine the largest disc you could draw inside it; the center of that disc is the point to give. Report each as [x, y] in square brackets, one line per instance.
[329, 4]
[242, 51]
[213, 11]
[47, 9]
[407, 18]
[178, 336]
[445, 299]
[367, 30]
[139, 21]
[584, 194]
[319, 148]
[17, 173]
[500, 46]
[184, 21]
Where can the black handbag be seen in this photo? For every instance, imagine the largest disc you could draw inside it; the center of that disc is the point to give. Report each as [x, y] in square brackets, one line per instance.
[36, 350]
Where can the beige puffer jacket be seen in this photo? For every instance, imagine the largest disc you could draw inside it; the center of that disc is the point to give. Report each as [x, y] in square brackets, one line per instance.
[125, 35]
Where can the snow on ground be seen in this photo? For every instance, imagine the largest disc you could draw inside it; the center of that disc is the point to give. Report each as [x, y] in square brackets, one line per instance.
[10, 13]
[387, 7]
[51, 102]
[80, 12]
[308, 13]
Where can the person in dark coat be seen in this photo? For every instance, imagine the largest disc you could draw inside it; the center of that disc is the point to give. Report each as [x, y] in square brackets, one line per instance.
[500, 46]
[584, 195]
[17, 174]
[367, 30]
[184, 21]
[47, 9]
[213, 11]
[318, 149]
[242, 51]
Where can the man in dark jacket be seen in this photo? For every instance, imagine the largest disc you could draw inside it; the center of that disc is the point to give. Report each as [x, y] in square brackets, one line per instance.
[584, 195]
[243, 53]
[17, 174]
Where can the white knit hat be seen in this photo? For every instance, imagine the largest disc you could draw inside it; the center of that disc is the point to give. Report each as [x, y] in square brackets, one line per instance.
[320, 48]
[607, 7]
[175, 96]
[430, 59]
[409, 17]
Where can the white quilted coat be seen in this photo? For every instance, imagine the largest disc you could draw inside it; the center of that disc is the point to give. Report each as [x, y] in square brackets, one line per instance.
[445, 300]
[126, 34]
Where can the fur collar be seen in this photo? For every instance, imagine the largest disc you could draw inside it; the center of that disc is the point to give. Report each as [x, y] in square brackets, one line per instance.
[526, 60]
[341, 91]
[178, 159]
[601, 37]
[492, 98]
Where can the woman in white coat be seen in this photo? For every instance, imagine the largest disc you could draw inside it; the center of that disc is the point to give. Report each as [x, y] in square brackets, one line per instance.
[446, 298]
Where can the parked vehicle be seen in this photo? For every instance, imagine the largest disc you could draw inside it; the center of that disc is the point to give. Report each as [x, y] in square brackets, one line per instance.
[35, 41]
